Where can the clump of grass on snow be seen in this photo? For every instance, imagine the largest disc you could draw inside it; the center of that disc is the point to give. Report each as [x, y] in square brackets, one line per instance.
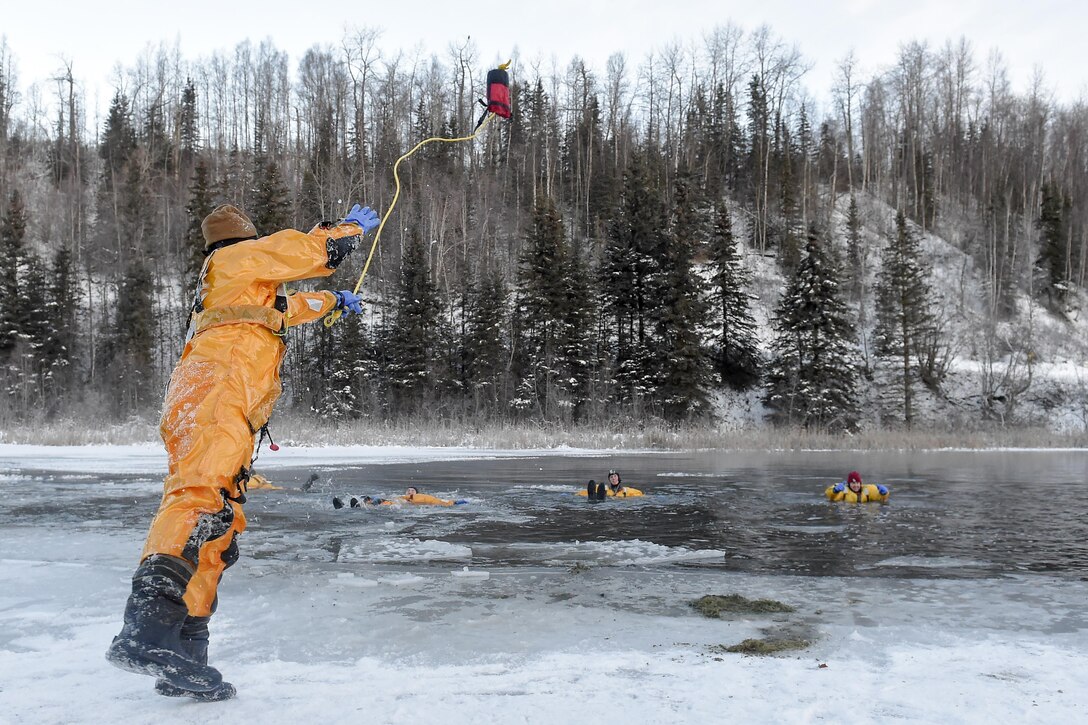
[715, 605]
[763, 646]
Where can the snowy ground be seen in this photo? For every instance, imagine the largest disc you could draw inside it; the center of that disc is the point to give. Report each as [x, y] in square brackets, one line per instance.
[398, 631]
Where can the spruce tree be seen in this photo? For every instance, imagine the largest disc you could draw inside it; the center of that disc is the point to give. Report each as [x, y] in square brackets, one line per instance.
[13, 225]
[188, 133]
[627, 290]
[759, 158]
[37, 337]
[271, 199]
[737, 355]
[1051, 262]
[133, 339]
[118, 139]
[681, 314]
[789, 241]
[854, 253]
[538, 320]
[812, 377]
[575, 314]
[718, 154]
[157, 144]
[412, 345]
[136, 224]
[343, 378]
[232, 184]
[63, 309]
[904, 316]
[486, 344]
[118, 199]
[311, 206]
[200, 205]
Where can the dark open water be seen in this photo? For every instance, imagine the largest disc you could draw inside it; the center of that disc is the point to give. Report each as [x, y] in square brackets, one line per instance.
[951, 514]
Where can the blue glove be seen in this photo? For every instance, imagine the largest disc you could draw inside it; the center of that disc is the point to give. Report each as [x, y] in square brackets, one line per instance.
[839, 487]
[348, 301]
[883, 490]
[364, 216]
[460, 502]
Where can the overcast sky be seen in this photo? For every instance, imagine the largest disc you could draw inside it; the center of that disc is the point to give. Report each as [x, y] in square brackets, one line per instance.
[1044, 33]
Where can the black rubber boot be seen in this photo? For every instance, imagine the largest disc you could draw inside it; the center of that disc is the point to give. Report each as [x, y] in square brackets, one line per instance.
[337, 503]
[602, 493]
[150, 640]
[194, 641]
[591, 490]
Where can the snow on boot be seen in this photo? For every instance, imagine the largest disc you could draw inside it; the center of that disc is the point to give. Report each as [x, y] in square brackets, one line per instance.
[149, 642]
[194, 641]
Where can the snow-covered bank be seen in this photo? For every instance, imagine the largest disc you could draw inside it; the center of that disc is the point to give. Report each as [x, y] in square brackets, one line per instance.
[357, 642]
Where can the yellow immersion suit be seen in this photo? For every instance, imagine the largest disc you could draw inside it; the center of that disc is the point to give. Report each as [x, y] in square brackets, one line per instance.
[223, 389]
[623, 492]
[257, 481]
[869, 492]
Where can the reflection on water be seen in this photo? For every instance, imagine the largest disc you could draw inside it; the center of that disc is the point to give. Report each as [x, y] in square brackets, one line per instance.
[952, 514]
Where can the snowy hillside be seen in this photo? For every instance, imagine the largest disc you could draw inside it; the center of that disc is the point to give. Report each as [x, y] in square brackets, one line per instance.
[1028, 370]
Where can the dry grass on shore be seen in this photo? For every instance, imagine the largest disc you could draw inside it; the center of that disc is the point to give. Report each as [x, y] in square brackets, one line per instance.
[299, 431]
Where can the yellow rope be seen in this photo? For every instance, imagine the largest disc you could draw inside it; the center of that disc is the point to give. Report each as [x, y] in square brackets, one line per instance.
[332, 317]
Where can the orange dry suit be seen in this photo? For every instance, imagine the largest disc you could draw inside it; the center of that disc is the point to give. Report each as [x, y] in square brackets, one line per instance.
[223, 389]
[424, 499]
[419, 499]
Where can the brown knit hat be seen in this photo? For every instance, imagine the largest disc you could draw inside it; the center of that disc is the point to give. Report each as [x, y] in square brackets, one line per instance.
[226, 222]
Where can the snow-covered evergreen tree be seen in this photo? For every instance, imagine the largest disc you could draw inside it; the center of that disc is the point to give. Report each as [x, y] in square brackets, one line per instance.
[812, 377]
[1052, 264]
[737, 354]
[270, 200]
[486, 344]
[129, 348]
[905, 322]
[627, 289]
[346, 372]
[30, 364]
[412, 342]
[63, 307]
[551, 322]
[855, 255]
[13, 224]
[199, 206]
[680, 317]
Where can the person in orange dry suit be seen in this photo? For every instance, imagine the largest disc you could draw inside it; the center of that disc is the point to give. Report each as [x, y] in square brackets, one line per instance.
[412, 495]
[220, 395]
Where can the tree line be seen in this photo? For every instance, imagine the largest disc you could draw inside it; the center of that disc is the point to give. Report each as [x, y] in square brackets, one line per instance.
[590, 260]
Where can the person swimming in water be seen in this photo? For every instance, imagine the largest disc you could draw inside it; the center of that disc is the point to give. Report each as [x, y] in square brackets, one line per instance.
[852, 490]
[614, 487]
[411, 495]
